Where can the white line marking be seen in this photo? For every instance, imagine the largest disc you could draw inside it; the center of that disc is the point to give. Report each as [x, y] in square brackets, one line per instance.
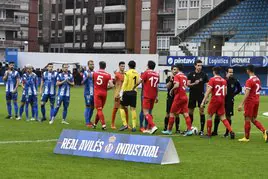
[27, 141]
[179, 135]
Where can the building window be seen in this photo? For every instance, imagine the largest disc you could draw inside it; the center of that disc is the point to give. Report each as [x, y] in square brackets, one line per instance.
[60, 17]
[183, 4]
[163, 43]
[194, 3]
[78, 37]
[53, 17]
[2, 13]
[145, 44]
[40, 33]
[60, 33]
[145, 25]
[146, 5]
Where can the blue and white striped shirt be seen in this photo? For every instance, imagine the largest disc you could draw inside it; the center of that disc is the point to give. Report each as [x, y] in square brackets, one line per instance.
[88, 82]
[49, 79]
[30, 82]
[64, 89]
[11, 81]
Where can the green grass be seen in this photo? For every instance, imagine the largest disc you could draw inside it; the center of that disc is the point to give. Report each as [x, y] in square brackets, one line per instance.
[200, 158]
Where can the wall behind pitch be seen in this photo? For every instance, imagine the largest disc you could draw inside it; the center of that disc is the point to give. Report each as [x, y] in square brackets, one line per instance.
[40, 60]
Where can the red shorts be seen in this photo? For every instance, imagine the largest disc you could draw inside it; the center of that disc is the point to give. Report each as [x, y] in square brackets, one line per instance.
[148, 103]
[251, 109]
[179, 106]
[99, 100]
[216, 106]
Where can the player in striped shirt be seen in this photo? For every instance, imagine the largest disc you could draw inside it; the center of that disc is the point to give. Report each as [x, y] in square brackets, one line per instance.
[48, 90]
[12, 80]
[88, 93]
[64, 81]
[29, 95]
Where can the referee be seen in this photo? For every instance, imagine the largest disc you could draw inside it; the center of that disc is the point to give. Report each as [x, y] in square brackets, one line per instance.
[128, 96]
[196, 82]
[233, 89]
[170, 84]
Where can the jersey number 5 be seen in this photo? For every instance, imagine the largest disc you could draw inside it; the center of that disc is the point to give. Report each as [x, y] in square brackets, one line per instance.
[99, 80]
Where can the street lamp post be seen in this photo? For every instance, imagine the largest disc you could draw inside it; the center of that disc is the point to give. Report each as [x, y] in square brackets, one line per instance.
[21, 45]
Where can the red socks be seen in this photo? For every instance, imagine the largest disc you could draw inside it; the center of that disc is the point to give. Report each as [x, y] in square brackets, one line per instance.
[227, 125]
[209, 126]
[259, 126]
[101, 116]
[97, 119]
[189, 123]
[114, 115]
[149, 118]
[170, 123]
[247, 129]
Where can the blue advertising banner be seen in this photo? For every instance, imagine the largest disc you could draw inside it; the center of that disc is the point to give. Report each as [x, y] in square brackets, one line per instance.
[11, 55]
[244, 61]
[218, 61]
[136, 148]
[185, 60]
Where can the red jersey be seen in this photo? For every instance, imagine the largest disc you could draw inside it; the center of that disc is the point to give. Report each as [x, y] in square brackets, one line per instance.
[218, 85]
[101, 79]
[150, 84]
[180, 92]
[254, 85]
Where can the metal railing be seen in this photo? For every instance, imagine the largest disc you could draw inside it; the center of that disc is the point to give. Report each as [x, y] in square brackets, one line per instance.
[10, 43]
[9, 21]
[206, 53]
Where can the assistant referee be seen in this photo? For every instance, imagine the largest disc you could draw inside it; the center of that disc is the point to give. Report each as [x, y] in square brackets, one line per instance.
[128, 96]
[233, 89]
[196, 82]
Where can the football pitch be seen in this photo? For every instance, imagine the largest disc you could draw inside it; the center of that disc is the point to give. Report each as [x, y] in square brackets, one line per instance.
[200, 158]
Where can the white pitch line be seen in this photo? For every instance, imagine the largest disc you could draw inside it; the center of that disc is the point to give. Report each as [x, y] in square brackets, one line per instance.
[178, 135]
[27, 141]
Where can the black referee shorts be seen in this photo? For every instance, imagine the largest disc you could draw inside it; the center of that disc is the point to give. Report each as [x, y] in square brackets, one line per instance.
[193, 100]
[129, 98]
[169, 104]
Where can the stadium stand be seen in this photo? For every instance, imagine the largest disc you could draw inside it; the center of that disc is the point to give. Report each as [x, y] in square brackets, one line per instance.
[241, 25]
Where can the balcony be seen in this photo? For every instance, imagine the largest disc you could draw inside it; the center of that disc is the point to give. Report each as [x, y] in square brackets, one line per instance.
[68, 45]
[9, 24]
[97, 45]
[68, 28]
[98, 27]
[78, 11]
[114, 45]
[112, 27]
[117, 8]
[69, 12]
[77, 45]
[167, 11]
[10, 5]
[78, 28]
[167, 31]
[98, 10]
[10, 43]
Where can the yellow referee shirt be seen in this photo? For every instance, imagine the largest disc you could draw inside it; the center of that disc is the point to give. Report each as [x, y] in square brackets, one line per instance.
[131, 78]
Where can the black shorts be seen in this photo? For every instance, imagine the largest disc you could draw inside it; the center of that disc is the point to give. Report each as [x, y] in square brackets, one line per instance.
[229, 108]
[129, 98]
[169, 104]
[195, 99]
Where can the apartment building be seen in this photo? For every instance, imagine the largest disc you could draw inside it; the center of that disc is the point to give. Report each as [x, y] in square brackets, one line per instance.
[96, 26]
[14, 19]
[163, 19]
